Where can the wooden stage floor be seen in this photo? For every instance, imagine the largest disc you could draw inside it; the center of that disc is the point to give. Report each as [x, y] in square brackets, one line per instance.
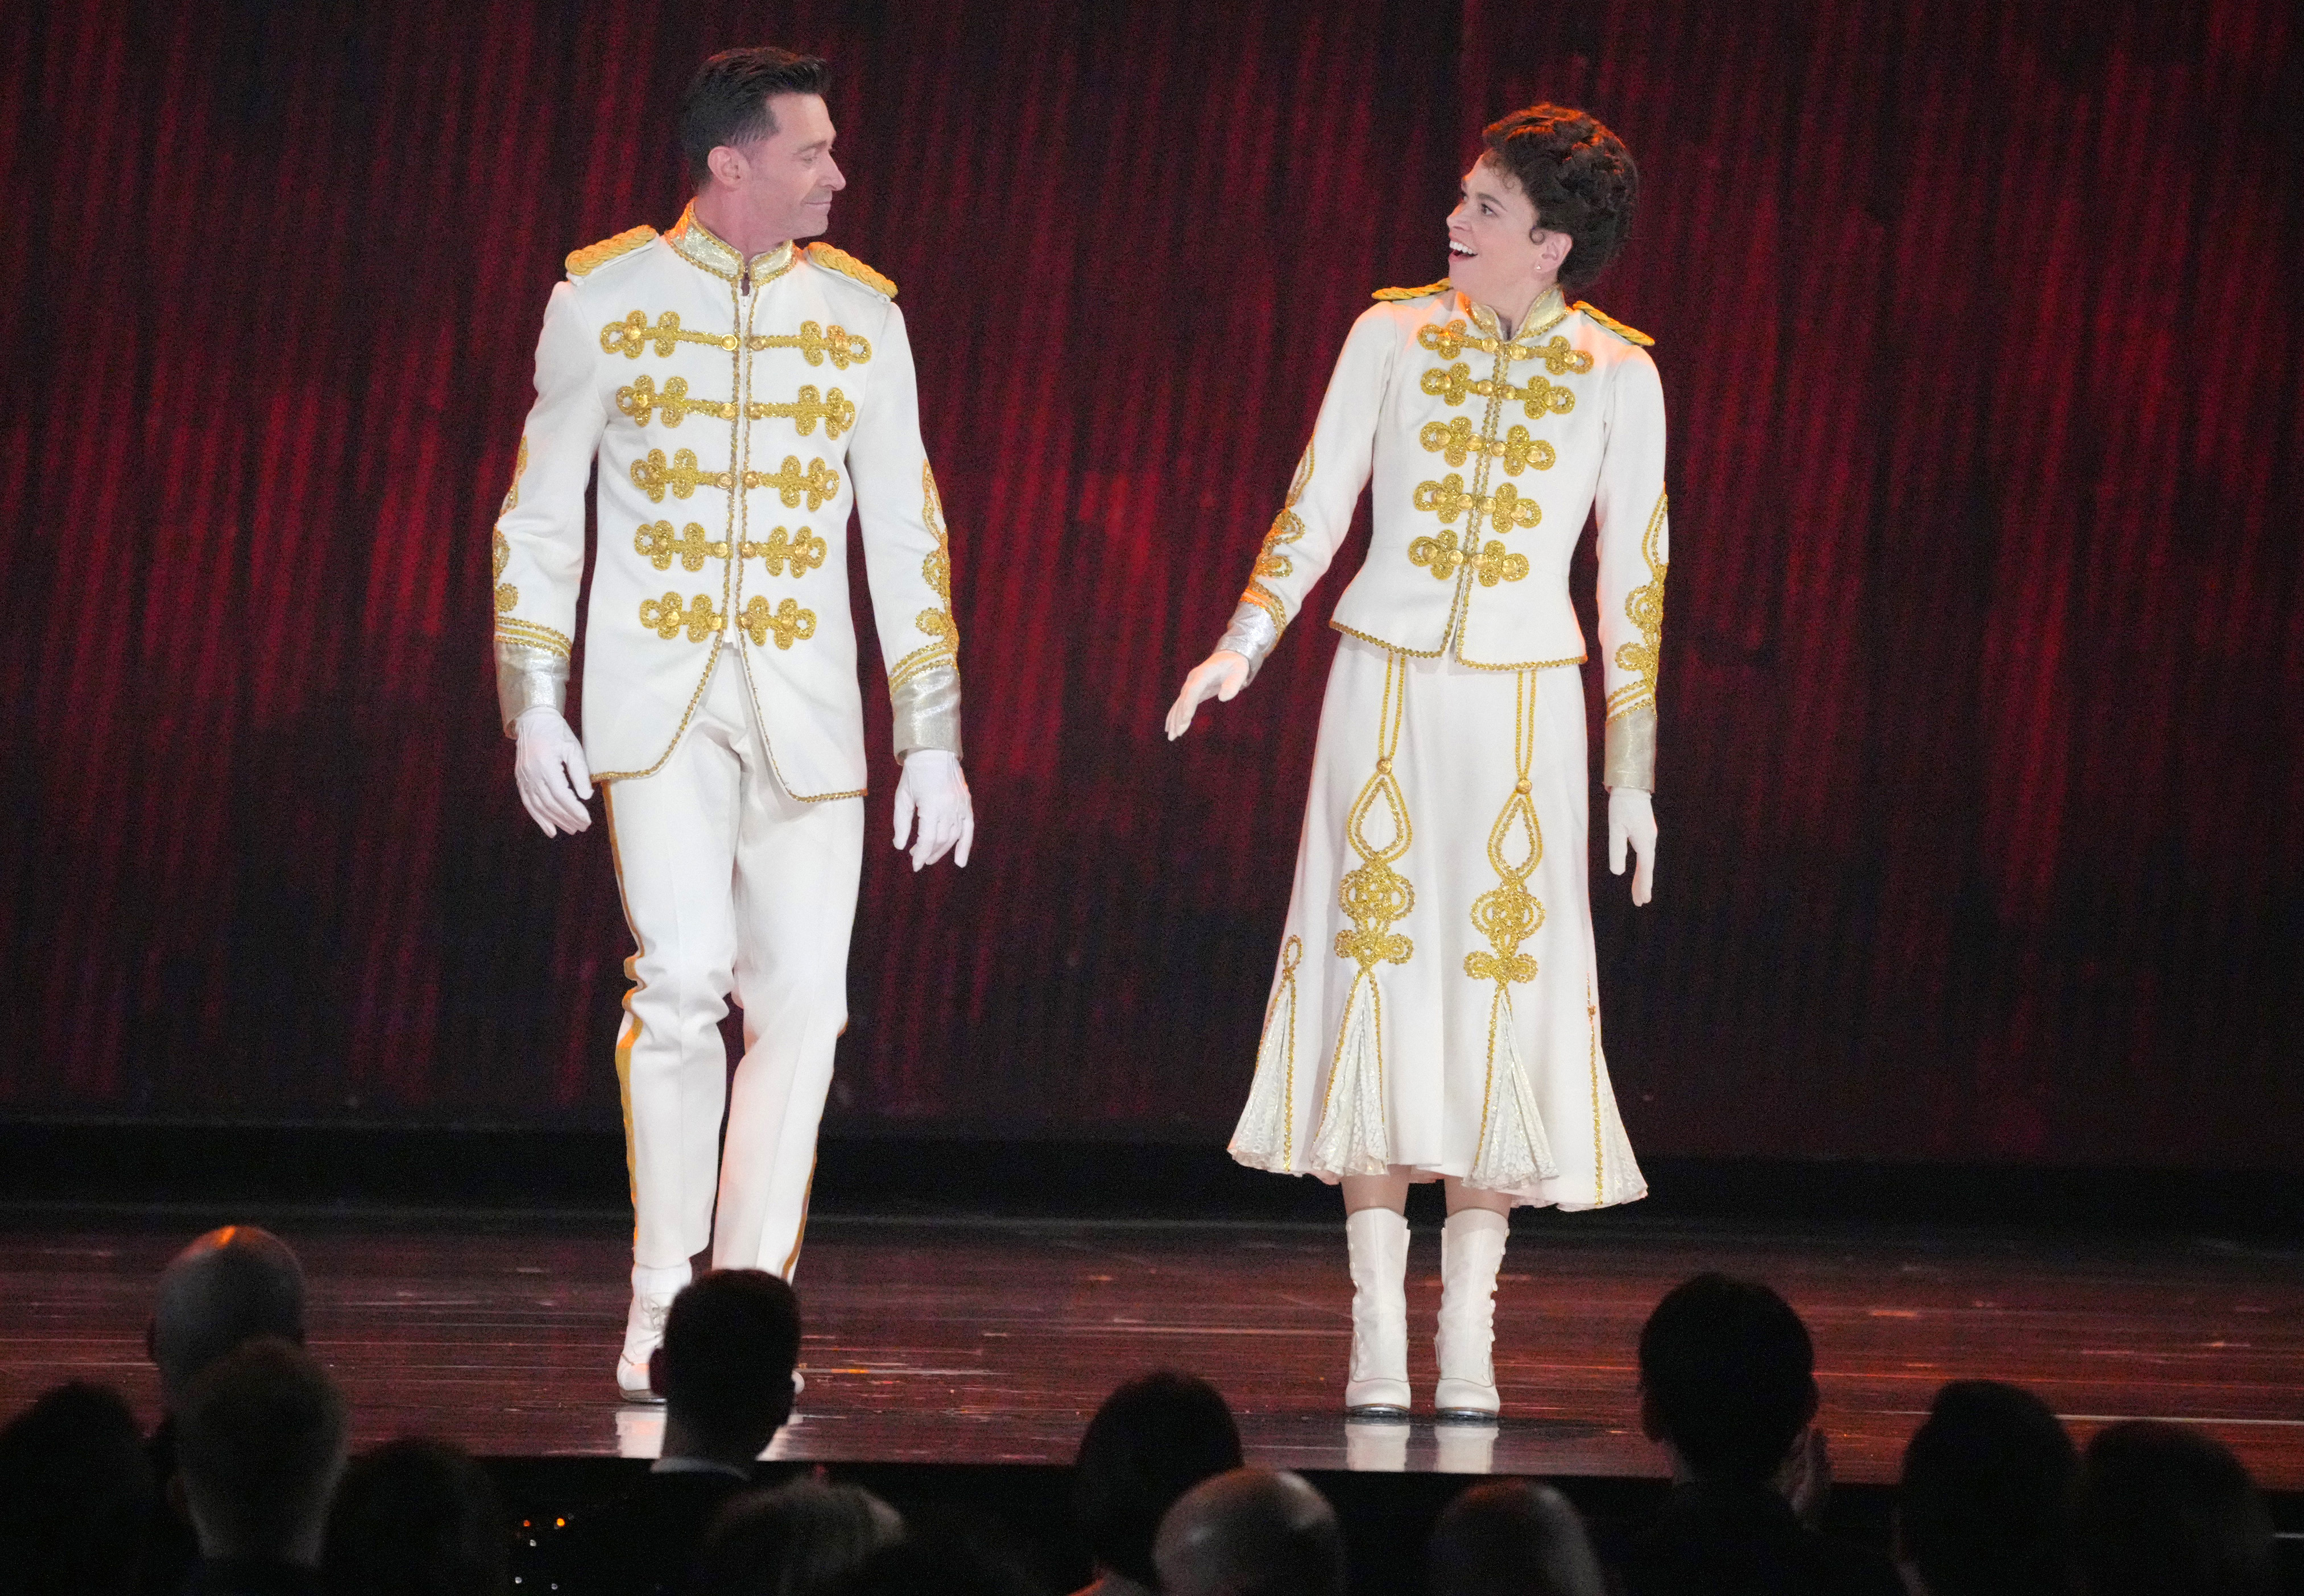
[949, 1340]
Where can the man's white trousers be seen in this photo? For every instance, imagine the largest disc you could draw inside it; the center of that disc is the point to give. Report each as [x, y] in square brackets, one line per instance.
[730, 885]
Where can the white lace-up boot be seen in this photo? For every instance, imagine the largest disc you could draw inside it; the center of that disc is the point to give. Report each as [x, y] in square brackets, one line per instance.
[1376, 1387]
[1471, 1250]
[653, 1291]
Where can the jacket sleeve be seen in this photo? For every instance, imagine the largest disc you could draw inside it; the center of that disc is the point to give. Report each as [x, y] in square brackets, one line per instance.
[1635, 547]
[1318, 510]
[907, 550]
[538, 549]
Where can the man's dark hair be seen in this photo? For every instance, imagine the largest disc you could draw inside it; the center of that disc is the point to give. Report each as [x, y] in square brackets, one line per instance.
[1154, 1438]
[803, 1539]
[1728, 1376]
[1576, 173]
[727, 100]
[729, 1344]
[1986, 1479]
[1511, 1538]
[76, 1495]
[2163, 1510]
[260, 1440]
[417, 1517]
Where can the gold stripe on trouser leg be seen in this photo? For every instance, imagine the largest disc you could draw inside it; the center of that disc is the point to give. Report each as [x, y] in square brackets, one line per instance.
[628, 1034]
[791, 1259]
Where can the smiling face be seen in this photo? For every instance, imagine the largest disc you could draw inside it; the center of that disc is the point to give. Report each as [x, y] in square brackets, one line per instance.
[775, 187]
[1498, 255]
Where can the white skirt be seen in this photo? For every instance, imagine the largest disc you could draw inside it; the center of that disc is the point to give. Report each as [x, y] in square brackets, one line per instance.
[1436, 1008]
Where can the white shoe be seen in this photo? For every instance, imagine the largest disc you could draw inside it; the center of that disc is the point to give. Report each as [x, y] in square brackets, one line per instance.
[1376, 1386]
[653, 1291]
[1471, 1250]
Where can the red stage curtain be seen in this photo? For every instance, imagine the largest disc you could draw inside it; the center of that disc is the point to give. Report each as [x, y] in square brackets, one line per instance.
[1980, 709]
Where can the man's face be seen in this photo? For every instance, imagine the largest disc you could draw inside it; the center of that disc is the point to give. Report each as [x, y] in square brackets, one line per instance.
[783, 184]
[1491, 256]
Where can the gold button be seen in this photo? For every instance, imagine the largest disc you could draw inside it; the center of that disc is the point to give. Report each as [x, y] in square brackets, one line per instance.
[729, 342]
[1521, 785]
[1383, 767]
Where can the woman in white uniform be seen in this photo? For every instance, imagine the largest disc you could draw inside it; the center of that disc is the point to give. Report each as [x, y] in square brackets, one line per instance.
[1434, 1013]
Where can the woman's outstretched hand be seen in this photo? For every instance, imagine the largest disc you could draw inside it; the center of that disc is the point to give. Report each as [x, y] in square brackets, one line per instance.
[1220, 676]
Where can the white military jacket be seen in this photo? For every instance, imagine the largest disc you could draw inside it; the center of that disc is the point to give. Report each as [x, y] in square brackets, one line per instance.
[737, 409]
[1486, 454]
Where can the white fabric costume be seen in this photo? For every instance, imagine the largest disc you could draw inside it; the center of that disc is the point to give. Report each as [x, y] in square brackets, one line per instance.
[1435, 1005]
[737, 409]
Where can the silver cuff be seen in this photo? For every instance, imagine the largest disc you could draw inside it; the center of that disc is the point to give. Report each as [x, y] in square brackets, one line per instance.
[527, 677]
[1251, 634]
[1628, 750]
[927, 707]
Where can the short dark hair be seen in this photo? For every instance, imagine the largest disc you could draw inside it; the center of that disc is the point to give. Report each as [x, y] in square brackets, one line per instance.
[1511, 1538]
[1576, 173]
[729, 1344]
[417, 1517]
[1729, 1376]
[76, 1495]
[727, 100]
[259, 1444]
[2162, 1508]
[1154, 1438]
[1984, 1488]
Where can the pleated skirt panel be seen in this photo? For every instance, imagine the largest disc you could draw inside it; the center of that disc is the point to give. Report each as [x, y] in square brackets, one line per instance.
[1435, 1006]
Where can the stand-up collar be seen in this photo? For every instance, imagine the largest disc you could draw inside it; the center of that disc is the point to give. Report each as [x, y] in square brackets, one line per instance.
[699, 246]
[1550, 310]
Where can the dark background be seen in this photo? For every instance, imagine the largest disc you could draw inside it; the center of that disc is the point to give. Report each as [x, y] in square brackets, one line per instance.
[1980, 701]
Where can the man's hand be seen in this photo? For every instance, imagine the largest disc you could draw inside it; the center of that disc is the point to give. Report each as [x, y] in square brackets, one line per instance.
[553, 779]
[933, 787]
[1805, 1478]
[1632, 819]
[1220, 676]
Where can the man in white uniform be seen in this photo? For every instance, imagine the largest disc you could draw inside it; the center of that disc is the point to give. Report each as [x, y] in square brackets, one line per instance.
[740, 393]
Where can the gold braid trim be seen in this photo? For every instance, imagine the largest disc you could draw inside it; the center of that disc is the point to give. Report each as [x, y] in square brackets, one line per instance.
[1644, 608]
[592, 256]
[839, 260]
[1391, 294]
[510, 629]
[1286, 527]
[1628, 334]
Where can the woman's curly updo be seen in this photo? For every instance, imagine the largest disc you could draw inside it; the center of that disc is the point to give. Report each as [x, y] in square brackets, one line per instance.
[1576, 173]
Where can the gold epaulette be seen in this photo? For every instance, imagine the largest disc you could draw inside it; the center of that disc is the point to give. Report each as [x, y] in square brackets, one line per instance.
[1628, 334]
[848, 266]
[592, 256]
[1411, 293]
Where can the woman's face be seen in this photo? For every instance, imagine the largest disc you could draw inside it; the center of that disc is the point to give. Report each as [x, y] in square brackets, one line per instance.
[1497, 255]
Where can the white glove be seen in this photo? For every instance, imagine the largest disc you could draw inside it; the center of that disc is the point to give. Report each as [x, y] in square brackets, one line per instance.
[933, 787]
[1632, 819]
[1220, 676]
[549, 767]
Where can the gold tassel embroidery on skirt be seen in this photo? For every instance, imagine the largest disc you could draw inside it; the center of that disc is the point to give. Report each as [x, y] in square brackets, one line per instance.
[1353, 1139]
[1514, 1150]
[1266, 1138]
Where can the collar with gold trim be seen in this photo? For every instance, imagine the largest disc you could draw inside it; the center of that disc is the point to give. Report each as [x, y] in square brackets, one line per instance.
[699, 246]
[1550, 310]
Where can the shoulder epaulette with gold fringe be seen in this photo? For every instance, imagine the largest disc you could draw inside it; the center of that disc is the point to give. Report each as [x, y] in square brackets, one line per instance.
[592, 256]
[1628, 334]
[833, 259]
[1411, 293]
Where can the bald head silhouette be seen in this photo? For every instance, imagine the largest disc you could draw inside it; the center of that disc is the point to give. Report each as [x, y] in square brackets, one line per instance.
[1252, 1532]
[227, 1289]
[1511, 1538]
